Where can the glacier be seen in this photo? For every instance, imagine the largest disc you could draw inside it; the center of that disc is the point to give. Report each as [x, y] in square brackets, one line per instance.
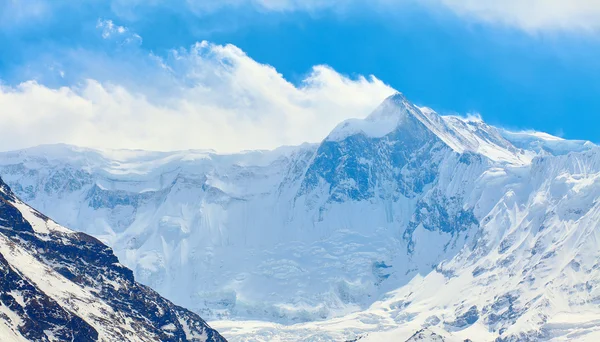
[406, 224]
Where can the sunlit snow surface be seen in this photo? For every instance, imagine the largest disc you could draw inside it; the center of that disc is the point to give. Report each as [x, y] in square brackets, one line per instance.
[400, 222]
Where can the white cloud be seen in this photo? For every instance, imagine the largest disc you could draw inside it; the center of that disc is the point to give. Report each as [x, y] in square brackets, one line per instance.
[532, 15]
[222, 99]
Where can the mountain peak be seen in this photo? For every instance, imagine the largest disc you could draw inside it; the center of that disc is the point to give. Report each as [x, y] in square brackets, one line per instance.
[397, 98]
[395, 106]
[391, 113]
[460, 134]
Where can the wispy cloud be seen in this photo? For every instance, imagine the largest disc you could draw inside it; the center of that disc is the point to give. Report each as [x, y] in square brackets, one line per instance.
[529, 15]
[110, 30]
[532, 15]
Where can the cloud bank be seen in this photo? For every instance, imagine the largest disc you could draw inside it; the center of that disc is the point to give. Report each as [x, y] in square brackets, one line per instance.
[220, 98]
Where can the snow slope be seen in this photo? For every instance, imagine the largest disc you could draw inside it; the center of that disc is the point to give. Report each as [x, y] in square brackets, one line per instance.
[404, 221]
[60, 285]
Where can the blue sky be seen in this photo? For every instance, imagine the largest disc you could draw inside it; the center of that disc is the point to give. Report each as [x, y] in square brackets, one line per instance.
[117, 59]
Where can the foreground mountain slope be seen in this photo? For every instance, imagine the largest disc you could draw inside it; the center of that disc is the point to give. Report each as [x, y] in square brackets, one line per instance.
[59, 285]
[402, 222]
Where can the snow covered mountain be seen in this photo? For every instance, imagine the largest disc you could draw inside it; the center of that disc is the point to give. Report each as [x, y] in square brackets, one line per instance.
[401, 223]
[60, 285]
